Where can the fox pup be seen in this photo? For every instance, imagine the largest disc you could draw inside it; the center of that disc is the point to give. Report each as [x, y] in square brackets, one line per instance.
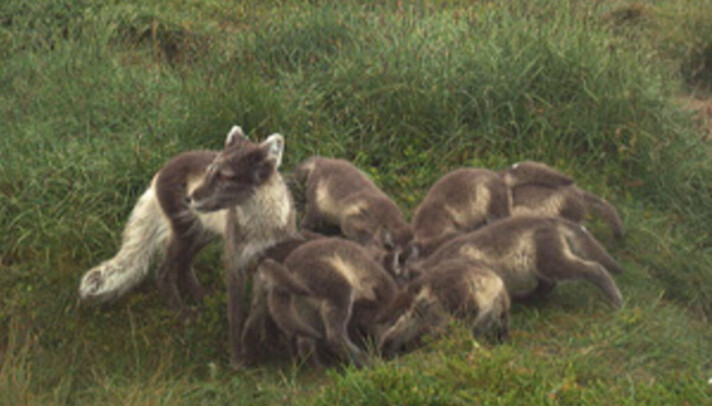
[531, 254]
[327, 291]
[462, 200]
[338, 193]
[461, 289]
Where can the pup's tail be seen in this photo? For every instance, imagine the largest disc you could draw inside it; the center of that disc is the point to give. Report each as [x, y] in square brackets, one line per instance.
[144, 236]
[604, 210]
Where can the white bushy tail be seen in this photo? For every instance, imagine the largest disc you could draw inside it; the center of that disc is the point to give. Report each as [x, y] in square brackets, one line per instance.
[145, 236]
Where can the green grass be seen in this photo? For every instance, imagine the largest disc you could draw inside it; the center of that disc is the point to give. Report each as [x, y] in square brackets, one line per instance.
[95, 96]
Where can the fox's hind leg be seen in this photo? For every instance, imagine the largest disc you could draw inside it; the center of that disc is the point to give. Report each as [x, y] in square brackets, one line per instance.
[336, 317]
[187, 281]
[177, 264]
[556, 261]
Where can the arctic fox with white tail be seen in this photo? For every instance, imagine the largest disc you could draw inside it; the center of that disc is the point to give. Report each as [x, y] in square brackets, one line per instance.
[164, 223]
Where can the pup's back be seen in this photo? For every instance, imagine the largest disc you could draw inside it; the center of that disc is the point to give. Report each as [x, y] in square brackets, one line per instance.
[460, 201]
[337, 193]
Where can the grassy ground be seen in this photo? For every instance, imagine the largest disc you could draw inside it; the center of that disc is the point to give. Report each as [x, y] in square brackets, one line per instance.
[95, 96]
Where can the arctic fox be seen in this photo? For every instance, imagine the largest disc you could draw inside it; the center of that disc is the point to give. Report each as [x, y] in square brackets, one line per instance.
[167, 222]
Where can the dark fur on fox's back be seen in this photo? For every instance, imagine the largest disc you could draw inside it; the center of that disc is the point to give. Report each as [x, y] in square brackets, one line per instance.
[327, 285]
[462, 200]
[262, 338]
[188, 235]
[532, 253]
[338, 193]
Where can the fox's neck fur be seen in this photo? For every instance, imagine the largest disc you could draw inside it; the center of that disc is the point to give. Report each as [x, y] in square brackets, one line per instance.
[266, 219]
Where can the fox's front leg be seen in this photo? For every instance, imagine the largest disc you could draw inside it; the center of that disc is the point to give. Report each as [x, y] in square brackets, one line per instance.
[236, 315]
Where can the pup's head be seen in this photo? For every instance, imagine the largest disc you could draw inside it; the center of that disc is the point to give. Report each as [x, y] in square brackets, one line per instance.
[413, 314]
[530, 172]
[394, 253]
[237, 171]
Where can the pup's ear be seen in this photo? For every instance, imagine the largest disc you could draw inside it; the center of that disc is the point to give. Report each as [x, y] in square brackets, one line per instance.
[234, 135]
[275, 147]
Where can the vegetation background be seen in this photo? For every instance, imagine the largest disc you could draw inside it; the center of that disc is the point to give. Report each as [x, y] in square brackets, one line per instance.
[96, 95]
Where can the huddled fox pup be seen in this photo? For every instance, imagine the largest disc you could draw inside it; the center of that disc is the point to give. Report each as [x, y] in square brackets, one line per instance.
[532, 254]
[469, 198]
[453, 289]
[462, 200]
[337, 193]
[326, 294]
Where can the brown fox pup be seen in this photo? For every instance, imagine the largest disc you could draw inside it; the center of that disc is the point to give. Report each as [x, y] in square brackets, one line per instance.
[531, 254]
[460, 201]
[540, 197]
[338, 193]
[261, 338]
[327, 289]
[461, 289]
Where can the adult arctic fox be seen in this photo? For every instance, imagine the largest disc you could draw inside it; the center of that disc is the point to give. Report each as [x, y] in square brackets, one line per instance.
[165, 222]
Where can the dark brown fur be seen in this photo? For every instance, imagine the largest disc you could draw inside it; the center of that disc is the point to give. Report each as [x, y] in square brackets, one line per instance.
[461, 201]
[338, 193]
[261, 337]
[326, 289]
[187, 233]
[532, 254]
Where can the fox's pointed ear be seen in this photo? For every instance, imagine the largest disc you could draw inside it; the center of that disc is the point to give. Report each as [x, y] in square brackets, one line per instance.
[275, 147]
[234, 136]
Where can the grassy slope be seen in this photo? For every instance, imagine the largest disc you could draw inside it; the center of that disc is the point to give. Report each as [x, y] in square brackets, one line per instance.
[96, 96]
